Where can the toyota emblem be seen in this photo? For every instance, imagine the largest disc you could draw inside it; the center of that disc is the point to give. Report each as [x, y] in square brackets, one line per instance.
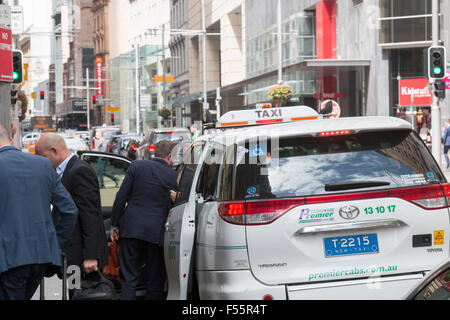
[349, 212]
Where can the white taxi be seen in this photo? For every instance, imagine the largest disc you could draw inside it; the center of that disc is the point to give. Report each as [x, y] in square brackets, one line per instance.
[293, 206]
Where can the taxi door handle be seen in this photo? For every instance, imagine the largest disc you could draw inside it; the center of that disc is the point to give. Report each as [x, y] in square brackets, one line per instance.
[167, 225]
[377, 224]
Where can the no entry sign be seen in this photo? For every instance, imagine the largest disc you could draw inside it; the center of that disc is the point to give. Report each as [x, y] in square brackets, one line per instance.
[6, 68]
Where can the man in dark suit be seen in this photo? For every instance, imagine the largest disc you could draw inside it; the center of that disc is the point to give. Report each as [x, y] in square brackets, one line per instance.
[87, 246]
[140, 211]
[30, 243]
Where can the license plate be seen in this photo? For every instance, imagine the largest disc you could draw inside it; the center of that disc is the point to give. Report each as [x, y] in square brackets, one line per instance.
[350, 245]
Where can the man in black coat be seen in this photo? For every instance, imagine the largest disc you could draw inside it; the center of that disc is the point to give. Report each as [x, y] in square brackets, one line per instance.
[87, 246]
[140, 213]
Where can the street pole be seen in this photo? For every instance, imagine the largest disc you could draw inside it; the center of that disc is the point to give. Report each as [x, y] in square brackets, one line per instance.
[280, 47]
[138, 92]
[88, 110]
[205, 93]
[164, 66]
[435, 108]
[5, 105]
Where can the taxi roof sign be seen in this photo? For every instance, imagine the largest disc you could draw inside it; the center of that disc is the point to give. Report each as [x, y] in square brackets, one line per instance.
[254, 117]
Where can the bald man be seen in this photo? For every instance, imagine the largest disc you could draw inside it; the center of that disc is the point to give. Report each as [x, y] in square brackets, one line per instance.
[30, 242]
[87, 247]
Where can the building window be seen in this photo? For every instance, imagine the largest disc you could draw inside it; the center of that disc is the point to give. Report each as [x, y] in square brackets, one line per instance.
[405, 21]
[298, 43]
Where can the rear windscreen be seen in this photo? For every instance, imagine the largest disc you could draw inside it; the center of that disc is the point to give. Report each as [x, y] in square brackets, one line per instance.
[176, 137]
[323, 165]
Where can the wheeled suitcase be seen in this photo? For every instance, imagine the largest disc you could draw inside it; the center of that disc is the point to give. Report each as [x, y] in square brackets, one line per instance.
[64, 280]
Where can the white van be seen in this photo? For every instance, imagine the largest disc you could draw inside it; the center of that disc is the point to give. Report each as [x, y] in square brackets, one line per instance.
[351, 208]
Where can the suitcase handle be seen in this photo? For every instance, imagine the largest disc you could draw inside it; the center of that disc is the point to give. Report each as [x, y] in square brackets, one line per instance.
[64, 272]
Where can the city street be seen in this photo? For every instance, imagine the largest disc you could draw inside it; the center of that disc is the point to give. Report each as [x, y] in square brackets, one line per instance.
[263, 149]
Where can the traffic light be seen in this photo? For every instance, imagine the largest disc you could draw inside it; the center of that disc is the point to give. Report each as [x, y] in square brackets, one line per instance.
[42, 95]
[437, 62]
[112, 118]
[94, 100]
[439, 89]
[17, 67]
[13, 96]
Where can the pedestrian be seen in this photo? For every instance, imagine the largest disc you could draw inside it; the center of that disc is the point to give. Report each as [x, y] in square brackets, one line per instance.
[87, 246]
[446, 140]
[30, 242]
[102, 146]
[139, 214]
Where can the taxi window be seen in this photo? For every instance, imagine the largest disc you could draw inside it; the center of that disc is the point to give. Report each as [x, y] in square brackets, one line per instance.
[310, 165]
[187, 172]
[209, 175]
[226, 175]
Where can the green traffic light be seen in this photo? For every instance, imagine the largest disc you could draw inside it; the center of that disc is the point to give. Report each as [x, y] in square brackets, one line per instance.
[437, 70]
[15, 75]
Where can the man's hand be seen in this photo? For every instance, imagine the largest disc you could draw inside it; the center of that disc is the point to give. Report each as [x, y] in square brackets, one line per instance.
[173, 195]
[90, 265]
[114, 234]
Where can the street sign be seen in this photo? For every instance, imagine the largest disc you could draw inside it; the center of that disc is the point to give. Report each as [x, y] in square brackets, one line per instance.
[113, 109]
[99, 75]
[157, 79]
[6, 60]
[5, 16]
[336, 113]
[43, 123]
[17, 20]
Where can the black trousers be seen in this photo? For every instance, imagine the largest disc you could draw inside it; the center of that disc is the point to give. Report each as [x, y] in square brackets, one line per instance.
[133, 255]
[21, 283]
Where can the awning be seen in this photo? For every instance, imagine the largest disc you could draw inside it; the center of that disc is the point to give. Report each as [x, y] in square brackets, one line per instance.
[335, 63]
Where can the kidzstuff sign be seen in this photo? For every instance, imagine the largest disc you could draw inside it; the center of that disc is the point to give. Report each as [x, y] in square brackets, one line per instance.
[414, 92]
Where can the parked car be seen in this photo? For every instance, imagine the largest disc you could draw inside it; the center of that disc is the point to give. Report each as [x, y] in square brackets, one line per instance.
[124, 140]
[113, 144]
[30, 137]
[435, 286]
[178, 135]
[75, 144]
[132, 147]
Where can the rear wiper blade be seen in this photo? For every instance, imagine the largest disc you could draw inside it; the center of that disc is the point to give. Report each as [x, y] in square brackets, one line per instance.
[354, 185]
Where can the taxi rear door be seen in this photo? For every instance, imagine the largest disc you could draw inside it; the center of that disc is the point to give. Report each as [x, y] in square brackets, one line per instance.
[180, 228]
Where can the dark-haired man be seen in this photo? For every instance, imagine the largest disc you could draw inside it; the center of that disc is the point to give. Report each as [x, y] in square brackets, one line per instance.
[140, 211]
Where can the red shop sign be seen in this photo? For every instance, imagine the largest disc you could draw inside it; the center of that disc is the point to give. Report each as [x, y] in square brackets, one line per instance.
[6, 62]
[99, 75]
[414, 92]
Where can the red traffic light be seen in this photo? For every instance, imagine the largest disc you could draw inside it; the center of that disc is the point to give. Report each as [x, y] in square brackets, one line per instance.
[112, 118]
[42, 94]
[94, 99]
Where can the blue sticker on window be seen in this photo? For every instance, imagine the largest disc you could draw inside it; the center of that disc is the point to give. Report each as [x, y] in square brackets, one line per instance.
[258, 150]
[251, 190]
[430, 175]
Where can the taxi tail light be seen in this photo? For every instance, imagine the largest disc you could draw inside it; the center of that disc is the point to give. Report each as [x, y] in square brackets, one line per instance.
[256, 212]
[134, 147]
[428, 197]
[151, 148]
[446, 190]
[335, 133]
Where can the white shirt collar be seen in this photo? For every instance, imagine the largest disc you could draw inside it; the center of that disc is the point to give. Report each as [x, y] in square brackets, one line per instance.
[62, 167]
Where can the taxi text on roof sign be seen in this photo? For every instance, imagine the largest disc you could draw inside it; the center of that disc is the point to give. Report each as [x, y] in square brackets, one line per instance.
[243, 118]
